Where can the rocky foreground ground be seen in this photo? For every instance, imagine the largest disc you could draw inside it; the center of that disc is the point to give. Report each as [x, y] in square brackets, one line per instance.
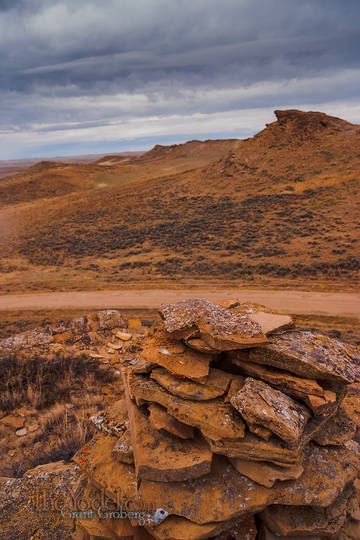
[228, 423]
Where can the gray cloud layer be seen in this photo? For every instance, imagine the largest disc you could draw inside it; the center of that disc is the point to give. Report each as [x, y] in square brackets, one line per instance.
[93, 74]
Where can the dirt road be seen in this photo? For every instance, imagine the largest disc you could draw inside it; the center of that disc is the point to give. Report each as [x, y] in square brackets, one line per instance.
[297, 302]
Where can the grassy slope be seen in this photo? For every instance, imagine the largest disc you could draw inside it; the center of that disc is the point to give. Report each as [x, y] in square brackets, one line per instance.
[280, 208]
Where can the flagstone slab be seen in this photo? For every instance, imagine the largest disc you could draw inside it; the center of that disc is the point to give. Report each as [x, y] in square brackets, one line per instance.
[260, 404]
[322, 402]
[221, 328]
[269, 320]
[162, 458]
[159, 418]
[284, 520]
[200, 345]
[215, 418]
[337, 430]
[253, 448]
[264, 473]
[311, 355]
[144, 389]
[176, 357]
[216, 385]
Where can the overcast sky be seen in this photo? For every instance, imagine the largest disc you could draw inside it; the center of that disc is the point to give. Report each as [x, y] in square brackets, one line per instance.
[85, 76]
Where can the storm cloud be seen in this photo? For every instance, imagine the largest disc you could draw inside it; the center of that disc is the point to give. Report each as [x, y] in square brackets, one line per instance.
[107, 75]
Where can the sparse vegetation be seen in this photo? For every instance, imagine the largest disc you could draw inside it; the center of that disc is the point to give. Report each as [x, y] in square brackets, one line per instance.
[41, 381]
[57, 394]
[61, 431]
[247, 203]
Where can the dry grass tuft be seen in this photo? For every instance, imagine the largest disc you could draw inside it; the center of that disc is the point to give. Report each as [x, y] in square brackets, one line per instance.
[56, 397]
[41, 382]
[63, 429]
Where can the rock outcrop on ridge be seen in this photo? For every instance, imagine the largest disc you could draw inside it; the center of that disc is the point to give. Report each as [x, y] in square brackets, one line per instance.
[233, 425]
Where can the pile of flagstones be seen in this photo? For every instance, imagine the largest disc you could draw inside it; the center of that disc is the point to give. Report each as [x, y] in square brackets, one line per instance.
[232, 426]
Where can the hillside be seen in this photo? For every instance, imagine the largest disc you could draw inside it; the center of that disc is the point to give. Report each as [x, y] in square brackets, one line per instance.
[12, 166]
[279, 208]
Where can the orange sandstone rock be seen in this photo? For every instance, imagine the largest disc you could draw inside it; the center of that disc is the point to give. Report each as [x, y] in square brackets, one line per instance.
[227, 302]
[351, 405]
[253, 448]
[160, 419]
[176, 358]
[122, 449]
[266, 534]
[223, 494]
[312, 355]
[218, 337]
[322, 402]
[215, 418]
[217, 383]
[337, 430]
[260, 431]
[110, 319]
[260, 404]
[307, 520]
[179, 528]
[221, 328]
[114, 420]
[264, 473]
[322, 406]
[200, 345]
[142, 388]
[271, 322]
[160, 457]
[236, 384]
[136, 364]
[350, 531]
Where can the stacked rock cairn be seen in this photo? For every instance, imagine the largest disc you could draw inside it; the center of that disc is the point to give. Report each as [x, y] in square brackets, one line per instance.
[232, 425]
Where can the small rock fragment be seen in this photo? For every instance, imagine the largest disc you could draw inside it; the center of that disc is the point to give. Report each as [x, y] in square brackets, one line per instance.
[110, 318]
[124, 336]
[122, 449]
[115, 346]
